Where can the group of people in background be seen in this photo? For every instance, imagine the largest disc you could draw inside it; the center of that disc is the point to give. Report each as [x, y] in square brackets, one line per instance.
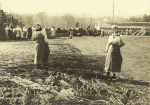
[25, 33]
[95, 32]
[51, 31]
[42, 50]
[39, 35]
[18, 33]
[129, 32]
[113, 59]
[88, 32]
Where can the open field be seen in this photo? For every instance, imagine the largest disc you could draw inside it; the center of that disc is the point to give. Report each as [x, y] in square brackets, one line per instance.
[81, 61]
[135, 53]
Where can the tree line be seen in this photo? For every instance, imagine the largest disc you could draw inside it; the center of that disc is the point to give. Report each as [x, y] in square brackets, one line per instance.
[66, 20]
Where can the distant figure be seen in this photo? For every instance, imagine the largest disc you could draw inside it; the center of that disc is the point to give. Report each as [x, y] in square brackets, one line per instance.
[94, 31]
[102, 33]
[109, 32]
[88, 31]
[14, 33]
[29, 33]
[18, 30]
[130, 32]
[53, 31]
[41, 43]
[127, 32]
[81, 30]
[114, 59]
[33, 28]
[21, 33]
[6, 31]
[71, 33]
[24, 33]
[10, 33]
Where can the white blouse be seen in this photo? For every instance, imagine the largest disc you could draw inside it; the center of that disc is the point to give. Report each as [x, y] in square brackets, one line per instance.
[43, 32]
[116, 40]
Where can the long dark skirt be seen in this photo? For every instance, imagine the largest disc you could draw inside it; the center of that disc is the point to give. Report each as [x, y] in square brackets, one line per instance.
[29, 35]
[41, 54]
[116, 59]
[10, 34]
[14, 35]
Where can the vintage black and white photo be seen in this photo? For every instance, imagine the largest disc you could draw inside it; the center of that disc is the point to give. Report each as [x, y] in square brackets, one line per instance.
[74, 52]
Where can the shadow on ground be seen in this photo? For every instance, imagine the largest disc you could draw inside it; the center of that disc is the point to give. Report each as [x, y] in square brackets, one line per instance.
[86, 66]
[74, 64]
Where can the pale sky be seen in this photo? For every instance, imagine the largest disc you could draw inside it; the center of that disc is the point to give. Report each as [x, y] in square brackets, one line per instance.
[123, 8]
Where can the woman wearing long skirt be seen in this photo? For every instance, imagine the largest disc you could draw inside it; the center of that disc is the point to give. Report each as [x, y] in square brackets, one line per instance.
[14, 33]
[41, 46]
[29, 33]
[114, 59]
[10, 33]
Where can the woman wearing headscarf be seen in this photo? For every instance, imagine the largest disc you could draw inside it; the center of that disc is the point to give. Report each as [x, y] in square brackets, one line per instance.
[114, 58]
[41, 46]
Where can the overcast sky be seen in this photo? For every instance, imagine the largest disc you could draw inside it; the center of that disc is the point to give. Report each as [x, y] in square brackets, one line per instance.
[92, 7]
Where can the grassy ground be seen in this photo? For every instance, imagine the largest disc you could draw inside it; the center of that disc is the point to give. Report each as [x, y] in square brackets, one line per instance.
[135, 53]
[83, 57]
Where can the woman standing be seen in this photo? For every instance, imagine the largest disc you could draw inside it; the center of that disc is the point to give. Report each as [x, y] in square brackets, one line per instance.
[102, 33]
[114, 58]
[41, 46]
[29, 33]
[23, 33]
[14, 33]
[6, 31]
[10, 33]
[18, 34]
[53, 31]
[71, 33]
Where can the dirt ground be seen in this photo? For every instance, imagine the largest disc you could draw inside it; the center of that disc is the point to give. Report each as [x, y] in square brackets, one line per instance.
[82, 57]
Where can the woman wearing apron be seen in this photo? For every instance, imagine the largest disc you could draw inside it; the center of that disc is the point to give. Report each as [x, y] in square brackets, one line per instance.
[41, 46]
[114, 59]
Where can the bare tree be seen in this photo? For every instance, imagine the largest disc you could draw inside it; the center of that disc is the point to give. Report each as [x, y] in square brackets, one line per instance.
[77, 24]
[29, 19]
[54, 20]
[69, 19]
[83, 21]
[41, 16]
[18, 17]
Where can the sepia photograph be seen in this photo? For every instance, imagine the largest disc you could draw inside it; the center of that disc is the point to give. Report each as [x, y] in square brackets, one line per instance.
[74, 52]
